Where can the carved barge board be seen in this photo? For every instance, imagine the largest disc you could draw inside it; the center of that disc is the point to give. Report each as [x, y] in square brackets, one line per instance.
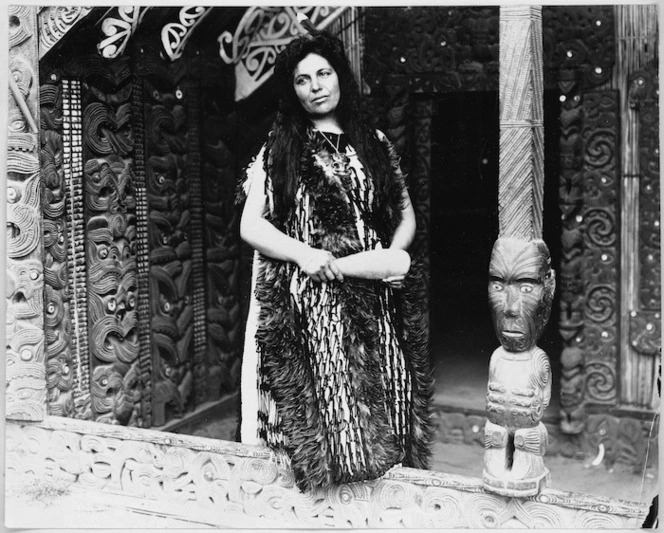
[206, 478]
[25, 359]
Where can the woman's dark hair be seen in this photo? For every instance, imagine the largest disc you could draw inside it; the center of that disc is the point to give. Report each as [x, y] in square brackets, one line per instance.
[291, 127]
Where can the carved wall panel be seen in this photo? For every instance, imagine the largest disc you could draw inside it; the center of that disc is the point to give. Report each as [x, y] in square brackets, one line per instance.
[433, 49]
[221, 244]
[171, 251]
[25, 359]
[111, 248]
[578, 40]
[61, 366]
[211, 478]
[601, 254]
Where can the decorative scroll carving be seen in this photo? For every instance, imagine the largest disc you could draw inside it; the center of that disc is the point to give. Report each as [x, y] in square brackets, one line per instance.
[578, 39]
[171, 267]
[446, 49]
[643, 96]
[119, 29]
[55, 22]
[24, 318]
[60, 363]
[216, 479]
[599, 339]
[260, 36]
[21, 25]
[174, 35]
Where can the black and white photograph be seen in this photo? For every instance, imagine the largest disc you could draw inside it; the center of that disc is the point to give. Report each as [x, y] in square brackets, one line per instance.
[364, 265]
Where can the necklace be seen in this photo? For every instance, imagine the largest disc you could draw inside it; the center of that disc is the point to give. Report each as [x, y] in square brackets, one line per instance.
[336, 147]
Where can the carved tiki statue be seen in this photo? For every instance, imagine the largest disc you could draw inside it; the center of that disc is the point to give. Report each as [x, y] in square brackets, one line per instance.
[521, 289]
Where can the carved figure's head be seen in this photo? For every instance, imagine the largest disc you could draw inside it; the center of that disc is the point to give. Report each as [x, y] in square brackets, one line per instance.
[521, 287]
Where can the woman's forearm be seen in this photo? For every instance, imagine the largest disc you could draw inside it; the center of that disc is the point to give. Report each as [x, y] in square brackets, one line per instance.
[405, 232]
[375, 264]
[268, 240]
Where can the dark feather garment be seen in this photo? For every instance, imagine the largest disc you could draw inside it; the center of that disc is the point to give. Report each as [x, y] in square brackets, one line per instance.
[349, 418]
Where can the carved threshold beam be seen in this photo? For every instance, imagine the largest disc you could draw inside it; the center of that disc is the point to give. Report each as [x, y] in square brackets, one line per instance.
[55, 22]
[259, 37]
[229, 484]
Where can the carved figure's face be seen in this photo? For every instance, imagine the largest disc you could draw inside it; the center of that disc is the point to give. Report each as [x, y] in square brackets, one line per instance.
[521, 286]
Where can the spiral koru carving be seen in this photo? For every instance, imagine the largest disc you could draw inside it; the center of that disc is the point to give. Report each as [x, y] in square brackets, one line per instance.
[601, 304]
[600, 227]
[600, 382]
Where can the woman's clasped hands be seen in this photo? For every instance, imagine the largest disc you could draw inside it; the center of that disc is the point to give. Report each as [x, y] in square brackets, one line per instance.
[320, 265]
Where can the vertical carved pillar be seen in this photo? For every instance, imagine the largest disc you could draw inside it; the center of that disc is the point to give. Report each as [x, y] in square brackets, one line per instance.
[61, 365]
[600, 252]
[26, 367]
[110, 241]
[522, 282]
[636, 32]
[521, 190]
[169, 207]
[572, 292]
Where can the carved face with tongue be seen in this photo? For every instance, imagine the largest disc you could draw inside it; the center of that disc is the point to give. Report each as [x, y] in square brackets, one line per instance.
[521, 287]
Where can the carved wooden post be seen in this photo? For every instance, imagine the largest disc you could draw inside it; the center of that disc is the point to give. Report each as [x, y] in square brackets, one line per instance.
[26, 368]
[521, 282]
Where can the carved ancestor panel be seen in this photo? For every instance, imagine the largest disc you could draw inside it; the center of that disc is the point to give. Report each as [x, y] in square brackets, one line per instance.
[599, 340]
[25, 359]
[61, 366]
[210, 478]
[645, 324]
[111, 248]
[433, 48]
[172, 310]
[221, 245]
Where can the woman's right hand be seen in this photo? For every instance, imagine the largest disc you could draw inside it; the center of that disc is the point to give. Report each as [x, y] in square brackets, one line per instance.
[320, 265]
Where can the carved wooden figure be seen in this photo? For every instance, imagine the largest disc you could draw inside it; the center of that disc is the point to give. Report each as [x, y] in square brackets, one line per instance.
[521, 290]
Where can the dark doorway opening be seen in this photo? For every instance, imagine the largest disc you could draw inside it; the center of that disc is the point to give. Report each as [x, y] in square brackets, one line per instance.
[463, 228]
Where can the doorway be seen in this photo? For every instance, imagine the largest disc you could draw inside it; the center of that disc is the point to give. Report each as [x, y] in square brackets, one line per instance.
[463, 228]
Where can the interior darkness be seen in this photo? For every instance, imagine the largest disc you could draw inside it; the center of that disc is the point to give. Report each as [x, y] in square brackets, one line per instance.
[464, 226]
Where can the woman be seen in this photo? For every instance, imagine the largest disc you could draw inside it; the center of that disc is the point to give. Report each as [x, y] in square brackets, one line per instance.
[342, 390]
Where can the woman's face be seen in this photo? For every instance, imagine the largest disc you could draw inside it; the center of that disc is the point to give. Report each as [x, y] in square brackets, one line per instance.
[317, 86]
